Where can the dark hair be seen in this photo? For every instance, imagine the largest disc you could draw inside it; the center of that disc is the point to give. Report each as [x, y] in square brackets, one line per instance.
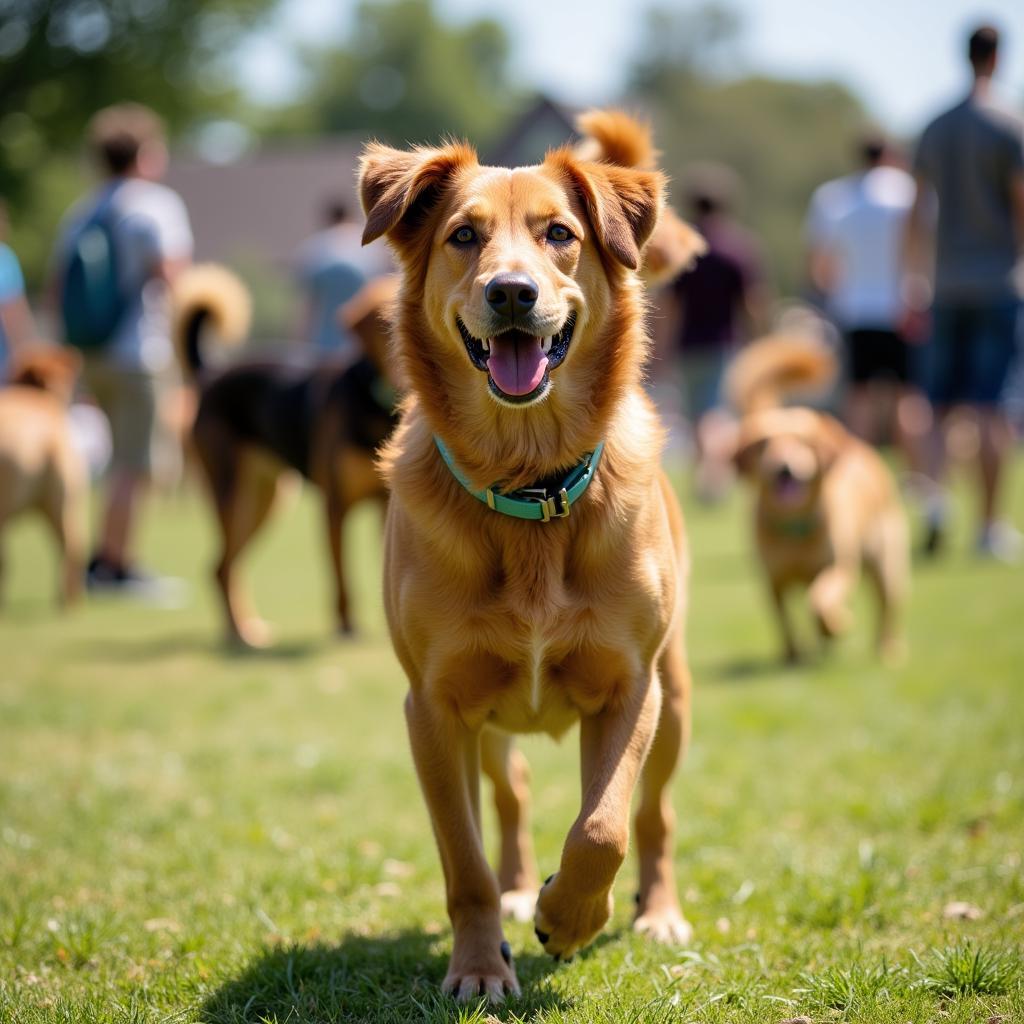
[116, 134]
[335, 212]
[871, 147]
[982, 45]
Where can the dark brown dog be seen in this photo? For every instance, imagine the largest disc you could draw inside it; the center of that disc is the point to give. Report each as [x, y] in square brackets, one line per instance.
[265, 419]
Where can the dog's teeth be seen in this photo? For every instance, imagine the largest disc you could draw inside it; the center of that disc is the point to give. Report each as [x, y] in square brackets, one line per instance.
[486, 344]
[545, 344]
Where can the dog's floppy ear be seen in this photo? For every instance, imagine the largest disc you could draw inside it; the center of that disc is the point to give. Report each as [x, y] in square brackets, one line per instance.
[622, 203]
[395, 184]
[829, 441]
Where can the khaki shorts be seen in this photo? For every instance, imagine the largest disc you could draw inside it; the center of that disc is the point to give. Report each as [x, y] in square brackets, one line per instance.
[129, 399]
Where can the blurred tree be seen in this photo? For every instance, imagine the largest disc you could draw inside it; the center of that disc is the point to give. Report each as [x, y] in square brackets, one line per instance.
[61, 60]
[405, 75]
[783, 138]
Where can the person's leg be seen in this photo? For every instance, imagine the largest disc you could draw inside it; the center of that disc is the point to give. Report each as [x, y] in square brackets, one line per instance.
[938, 376]
[129, 399]
[993, 350]
[859, 406]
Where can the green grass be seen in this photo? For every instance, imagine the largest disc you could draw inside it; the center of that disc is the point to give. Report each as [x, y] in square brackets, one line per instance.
[189, 836]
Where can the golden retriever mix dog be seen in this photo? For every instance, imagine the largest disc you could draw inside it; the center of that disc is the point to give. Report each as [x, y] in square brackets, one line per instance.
[536, 562]
[40, 468]
[827, 505]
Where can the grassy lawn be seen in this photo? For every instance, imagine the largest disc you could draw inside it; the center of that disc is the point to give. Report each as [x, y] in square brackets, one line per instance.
[191, 836]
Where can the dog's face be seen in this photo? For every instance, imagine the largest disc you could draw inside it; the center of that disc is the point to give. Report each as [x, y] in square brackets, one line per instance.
[515, 272]
[787, 453]
[48, 368]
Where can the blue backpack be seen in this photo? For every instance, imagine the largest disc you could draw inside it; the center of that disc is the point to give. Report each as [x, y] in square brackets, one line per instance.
[92, 300]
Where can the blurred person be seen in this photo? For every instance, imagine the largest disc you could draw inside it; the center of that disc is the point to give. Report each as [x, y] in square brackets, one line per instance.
[331, 267]
[17, 325]
[130, 239]
[855, 229]
[712, 309]
[972, 156]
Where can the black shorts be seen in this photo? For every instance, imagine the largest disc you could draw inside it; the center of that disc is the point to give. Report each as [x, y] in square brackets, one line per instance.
[877, 355]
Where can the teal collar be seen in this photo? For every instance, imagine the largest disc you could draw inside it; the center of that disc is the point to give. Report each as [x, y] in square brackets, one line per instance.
[533, 502]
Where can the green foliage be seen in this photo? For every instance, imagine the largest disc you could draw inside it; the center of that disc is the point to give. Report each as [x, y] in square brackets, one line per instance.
[782, 138]
[970, 969]
[61, 60]
[405, 76]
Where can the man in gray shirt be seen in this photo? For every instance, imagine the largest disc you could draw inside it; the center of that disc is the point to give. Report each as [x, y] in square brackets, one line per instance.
[972, 159]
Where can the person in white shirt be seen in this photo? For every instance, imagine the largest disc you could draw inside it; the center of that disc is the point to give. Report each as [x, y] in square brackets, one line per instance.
[855, 230]
[152, 242]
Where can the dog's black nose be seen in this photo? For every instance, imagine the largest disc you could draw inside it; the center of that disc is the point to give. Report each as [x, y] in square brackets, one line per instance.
[511, 295]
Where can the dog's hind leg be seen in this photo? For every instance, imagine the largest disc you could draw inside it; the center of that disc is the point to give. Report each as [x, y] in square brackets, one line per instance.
[242, 507]
[889, 572]
[61, 505]
[517, 871]
[657, 912]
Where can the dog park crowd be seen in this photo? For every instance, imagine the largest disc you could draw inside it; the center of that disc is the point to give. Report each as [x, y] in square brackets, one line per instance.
[912, 273]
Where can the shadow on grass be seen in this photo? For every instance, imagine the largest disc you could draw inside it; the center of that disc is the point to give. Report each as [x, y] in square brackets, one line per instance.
[750, 670]
[149, 648]
[385, 979]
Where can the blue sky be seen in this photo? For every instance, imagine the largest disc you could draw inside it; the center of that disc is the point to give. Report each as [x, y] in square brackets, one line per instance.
[904, 58]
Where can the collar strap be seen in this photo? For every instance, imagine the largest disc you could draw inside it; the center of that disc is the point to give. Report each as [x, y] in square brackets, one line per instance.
[532, 502]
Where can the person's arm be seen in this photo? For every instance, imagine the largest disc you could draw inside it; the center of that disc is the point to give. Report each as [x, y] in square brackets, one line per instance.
[918, 243]
[1017, 205]
[19, 326]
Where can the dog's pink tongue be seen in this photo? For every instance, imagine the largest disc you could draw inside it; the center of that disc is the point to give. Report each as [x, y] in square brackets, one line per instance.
[516, 363]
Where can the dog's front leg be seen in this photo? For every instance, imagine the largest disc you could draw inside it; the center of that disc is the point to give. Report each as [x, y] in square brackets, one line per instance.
[575, 903]
[447, 756]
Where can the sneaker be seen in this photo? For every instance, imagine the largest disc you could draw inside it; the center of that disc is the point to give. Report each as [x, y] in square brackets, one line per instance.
[104, 577]
[1001, 543]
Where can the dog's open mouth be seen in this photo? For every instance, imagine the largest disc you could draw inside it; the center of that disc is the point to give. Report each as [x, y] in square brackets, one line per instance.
[518, 364]
[788, 489]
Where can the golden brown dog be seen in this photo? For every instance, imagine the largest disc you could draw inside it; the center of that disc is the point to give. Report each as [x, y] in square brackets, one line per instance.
[40, 468]
[519, 332]
[827, 505]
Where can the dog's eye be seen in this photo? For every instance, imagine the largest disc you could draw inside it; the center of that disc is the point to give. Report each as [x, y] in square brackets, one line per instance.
[559, 233]
[463, 236]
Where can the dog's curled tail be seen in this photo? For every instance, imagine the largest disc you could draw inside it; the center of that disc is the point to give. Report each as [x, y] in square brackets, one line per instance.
[616, 137]
[207, 295]
[777, 368]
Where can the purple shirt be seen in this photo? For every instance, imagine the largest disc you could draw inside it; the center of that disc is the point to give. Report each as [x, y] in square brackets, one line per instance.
[712, 292]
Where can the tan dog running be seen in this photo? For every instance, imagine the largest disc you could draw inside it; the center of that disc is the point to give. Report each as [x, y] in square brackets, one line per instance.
[40, 468]
[827, 504]
[519, 332]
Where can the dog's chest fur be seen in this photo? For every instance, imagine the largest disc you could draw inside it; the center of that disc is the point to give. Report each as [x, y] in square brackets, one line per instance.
[547, 636]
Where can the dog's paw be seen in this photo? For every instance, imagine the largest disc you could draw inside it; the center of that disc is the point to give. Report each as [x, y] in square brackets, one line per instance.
[664, 924]
[252, 635]
[566, 921]
[478, 975]
[518, 904]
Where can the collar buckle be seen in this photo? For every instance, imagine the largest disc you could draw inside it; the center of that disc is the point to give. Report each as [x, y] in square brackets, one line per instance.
[552, 506]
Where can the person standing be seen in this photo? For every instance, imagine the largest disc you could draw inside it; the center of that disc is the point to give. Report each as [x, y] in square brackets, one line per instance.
[129, 238]
[331, 266]
[972, 156]
[855, 230]
[712, 309]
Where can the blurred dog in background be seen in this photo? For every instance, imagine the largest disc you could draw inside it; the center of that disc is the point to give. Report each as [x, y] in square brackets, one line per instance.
[41, 469]
[827, 505]
[268, 417]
